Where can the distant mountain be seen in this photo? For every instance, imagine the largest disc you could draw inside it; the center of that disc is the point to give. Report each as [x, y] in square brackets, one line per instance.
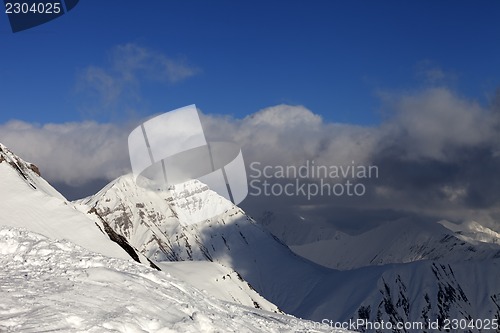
[402, 241]
[473, 232]
[418, 292]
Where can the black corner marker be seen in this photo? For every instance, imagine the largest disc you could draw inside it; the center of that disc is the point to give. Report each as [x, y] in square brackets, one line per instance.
[26, 14]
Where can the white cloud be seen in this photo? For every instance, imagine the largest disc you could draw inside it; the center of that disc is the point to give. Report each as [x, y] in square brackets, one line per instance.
[75, 153]
[286, 134]
[130, 65]
[72, 153]
[131, 62]
[103, 84]
[431, 122]
[432, 74]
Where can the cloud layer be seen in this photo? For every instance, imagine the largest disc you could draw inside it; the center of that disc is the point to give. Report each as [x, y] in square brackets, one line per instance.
[71, 153]
[438, 154]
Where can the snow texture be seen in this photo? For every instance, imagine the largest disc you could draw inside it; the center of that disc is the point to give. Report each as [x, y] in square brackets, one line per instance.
[49, 285]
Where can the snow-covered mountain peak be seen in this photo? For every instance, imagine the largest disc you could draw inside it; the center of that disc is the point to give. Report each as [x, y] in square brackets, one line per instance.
[181, 204]
[155, 220]
[473, 232]
[403, 241]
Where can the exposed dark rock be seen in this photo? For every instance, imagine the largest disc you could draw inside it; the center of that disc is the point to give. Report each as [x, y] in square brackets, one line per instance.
[120, 240]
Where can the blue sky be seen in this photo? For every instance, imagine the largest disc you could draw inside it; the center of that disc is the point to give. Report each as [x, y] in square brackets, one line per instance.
[333, 57]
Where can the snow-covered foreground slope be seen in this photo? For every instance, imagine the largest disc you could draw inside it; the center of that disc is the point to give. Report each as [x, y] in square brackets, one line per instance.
[28, 201]
[218, 281]
[399, 241]
[57, 286]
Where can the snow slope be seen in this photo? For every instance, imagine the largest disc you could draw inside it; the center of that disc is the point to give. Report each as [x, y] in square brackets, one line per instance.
[217, 281]
[28, 201]
[58, 286]
[28, 172]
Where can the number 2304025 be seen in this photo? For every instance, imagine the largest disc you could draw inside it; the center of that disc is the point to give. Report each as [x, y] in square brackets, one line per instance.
[33, 8]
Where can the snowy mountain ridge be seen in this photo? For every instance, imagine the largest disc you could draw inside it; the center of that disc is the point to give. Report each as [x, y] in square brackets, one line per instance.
[473, 232]
[402, 241]
[28, 171]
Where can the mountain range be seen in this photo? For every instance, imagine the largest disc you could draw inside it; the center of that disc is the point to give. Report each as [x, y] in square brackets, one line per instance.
[63, 271]
[401, 271]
